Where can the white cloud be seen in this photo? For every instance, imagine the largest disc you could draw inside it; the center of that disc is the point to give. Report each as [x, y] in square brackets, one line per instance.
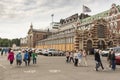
[23, 12]
[31, 7]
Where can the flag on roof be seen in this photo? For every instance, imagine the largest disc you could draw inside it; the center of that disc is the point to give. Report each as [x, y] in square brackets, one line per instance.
[86, 9]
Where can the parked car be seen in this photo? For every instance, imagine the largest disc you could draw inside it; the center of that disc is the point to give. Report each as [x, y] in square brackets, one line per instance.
[117, 54]
[50, 52]
[117, 58]
[39, 51]
[106, 52]
[61, 53]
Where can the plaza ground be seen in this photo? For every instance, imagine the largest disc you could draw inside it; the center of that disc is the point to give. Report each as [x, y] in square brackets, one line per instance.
[55, 68]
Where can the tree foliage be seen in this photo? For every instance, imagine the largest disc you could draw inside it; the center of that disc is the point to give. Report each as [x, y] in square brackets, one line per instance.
[9, 43]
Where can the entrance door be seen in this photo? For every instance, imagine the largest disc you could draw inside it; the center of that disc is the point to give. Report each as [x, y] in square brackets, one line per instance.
[89, 46]
[110, 44]
[101, 44]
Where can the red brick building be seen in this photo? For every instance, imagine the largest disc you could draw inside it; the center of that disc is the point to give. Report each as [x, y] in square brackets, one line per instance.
[35, 35]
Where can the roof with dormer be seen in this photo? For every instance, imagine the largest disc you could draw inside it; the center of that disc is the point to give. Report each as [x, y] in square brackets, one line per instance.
[37, 30]
[31, 30]
[97, 16]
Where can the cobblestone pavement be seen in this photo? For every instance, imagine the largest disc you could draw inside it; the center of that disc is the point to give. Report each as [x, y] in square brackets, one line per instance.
[55, 68]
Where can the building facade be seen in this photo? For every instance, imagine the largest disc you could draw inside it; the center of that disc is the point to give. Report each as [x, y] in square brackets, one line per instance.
[23, 42]
[86, 32]
[33, 36]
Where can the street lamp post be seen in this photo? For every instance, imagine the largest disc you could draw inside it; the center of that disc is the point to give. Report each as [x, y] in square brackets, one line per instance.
[52, 15]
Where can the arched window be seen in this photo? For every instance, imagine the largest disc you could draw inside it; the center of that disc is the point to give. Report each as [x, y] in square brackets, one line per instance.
[101, 44]
[110, 44]
[100, 31]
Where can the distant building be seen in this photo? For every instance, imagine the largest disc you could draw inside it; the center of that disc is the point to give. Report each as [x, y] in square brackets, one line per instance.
[80, 32]
[33, 36]
[55, 25]
[86, 32]
[14, 46]
[63, 38]
[23, 42]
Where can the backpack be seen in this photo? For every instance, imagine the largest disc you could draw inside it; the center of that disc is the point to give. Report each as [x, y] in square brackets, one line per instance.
[18, 56]
[26, 56]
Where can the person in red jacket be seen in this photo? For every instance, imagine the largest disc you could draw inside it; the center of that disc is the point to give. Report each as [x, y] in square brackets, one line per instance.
[11, 57]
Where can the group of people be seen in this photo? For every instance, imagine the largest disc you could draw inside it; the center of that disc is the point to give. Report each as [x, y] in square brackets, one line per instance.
[77, 57]
[4, 51]
[110, 59]
[28, 55]
[80, 56]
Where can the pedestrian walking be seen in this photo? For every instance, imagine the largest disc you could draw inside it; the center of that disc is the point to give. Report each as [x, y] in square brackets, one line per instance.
[113, 60]
[19, 58]
[72, 56]
[109, 59]
[79, 53]
[67, 56]
[30, 55]
[11, 57]
[26, 56]
[34, 57]
[98, 60]
[2, 52]
[84, 54]
[76, 58]
[6, 51]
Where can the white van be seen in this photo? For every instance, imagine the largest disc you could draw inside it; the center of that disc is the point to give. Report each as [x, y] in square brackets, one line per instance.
[116, 49]
[49, 52]
[106, 51]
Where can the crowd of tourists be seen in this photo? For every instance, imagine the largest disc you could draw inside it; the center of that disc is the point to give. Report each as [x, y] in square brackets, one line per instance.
[77, 57]
[110, 59]
[4, 51]
[25, 56]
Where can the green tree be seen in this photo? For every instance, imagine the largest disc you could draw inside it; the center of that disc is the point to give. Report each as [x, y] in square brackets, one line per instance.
[16, 41]
[8, 43]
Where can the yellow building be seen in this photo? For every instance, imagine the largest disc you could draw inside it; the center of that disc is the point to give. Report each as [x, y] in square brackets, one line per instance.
[64, 37]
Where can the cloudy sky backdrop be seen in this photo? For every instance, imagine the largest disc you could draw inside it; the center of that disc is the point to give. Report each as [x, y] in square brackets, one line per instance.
[17, 15]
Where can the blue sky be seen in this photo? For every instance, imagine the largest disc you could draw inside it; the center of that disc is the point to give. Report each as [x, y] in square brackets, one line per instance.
[17, 15]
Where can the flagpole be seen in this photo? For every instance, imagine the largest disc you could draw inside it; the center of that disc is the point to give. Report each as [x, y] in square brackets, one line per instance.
[85, 9]
[82, 28]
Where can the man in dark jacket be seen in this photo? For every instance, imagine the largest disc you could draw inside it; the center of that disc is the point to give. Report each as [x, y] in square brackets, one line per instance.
[109, 59]
[113, 60]
[98, 60]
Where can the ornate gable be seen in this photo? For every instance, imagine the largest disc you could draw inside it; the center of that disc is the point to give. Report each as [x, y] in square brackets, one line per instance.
[30, 31]
[101, 22]
[113, 10]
